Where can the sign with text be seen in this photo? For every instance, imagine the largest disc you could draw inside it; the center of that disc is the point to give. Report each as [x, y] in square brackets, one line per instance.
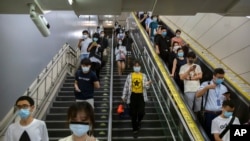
[240, 132]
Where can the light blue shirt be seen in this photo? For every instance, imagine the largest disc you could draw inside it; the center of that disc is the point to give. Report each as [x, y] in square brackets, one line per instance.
[215, 96]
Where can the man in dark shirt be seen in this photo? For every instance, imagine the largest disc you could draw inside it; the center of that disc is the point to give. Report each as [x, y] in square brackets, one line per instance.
[162, 44]
[85, 82]
[127, 42]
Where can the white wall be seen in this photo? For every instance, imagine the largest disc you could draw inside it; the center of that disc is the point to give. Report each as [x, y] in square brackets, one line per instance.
[25, 52]
[228, 38]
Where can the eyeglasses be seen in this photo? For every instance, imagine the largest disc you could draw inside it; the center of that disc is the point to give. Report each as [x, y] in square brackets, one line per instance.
[24, 106]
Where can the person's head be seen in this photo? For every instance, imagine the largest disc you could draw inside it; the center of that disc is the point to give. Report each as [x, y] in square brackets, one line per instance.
[102, 34]
[227, 108]
[178, 33]
[227, 95]
[191, 57]
[119, 42]
[137, 66]
[95, 37]
[127, 33]
[85, 64]
[180, 52]
[154, 18]
[164, 31]
[176, 44]
[80, 117]
[25, 106]
[218, 75]
[85, 34]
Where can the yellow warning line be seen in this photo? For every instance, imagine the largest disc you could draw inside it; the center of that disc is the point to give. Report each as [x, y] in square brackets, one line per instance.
[176, 96]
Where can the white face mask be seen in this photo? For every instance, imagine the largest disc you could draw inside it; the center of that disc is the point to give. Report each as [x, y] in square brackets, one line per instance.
[137, 69]
[79, 129]
[84, 36]
[120, 43]
[85, 69]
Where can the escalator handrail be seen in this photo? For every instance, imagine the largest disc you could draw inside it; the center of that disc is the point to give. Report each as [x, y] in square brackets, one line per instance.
[179, 102]
[111, 91]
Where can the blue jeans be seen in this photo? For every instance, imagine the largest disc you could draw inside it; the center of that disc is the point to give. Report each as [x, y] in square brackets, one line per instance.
[83, 56]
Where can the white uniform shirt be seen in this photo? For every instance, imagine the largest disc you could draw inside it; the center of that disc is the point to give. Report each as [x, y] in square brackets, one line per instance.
[36, 130]
[85, 45]
[215, 96]
[220, 123]
[190, 85]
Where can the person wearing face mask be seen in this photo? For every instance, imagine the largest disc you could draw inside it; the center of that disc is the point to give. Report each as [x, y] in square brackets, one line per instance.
[95, 54]
[85, 83]
[220, 123]
[80, 117]
[127, 42]
[177, 38]
[191, 74]
[153, 27]
[212, 93]
[83, 44]
[120, 56]
[103, 41]
[120, 35]
[28, 128]
[148, 21]
[135, 94]
[177, 63]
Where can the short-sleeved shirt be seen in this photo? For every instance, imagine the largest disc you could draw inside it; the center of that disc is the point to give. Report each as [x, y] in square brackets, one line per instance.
[127, 42]
[163, 43]
[85, 45]
[191, 85]
[36, 130]
[220, 123]
[85, 83]
[215, 96]
[153, 27]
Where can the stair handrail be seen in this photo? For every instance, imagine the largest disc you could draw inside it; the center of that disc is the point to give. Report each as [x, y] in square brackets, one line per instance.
[111, 91]
[66, 57]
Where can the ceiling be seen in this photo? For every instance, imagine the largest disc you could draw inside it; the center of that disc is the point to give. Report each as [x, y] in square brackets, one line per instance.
[120, 8]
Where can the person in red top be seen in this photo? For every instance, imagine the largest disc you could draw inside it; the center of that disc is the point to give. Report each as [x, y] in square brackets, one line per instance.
[177, 38]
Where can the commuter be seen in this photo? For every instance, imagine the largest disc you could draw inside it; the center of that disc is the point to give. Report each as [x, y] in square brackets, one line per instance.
[173, 54]
[177, 38]
[118, 30]
[220, 124]
[83, 44]
[148, 21]
[175, 46]
[95, 54]
[162, 45]
[143, 18]
[85, 82]
[191, 74]
[153, 27]
[127, 42]
[120, 35]
[135, 94]
[177, 63]
[28, 128]
[104, 44]
[81, 121]
[120, 53]
[213, 96]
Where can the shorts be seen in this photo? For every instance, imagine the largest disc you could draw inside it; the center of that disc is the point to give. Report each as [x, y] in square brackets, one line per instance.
[90, 101]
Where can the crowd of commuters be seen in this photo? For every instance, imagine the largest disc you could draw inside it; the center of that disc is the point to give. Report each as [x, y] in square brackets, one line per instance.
[211, 96]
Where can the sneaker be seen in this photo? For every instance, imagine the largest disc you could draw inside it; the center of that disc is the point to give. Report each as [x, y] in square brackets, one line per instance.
[139, 125]
[135, 134]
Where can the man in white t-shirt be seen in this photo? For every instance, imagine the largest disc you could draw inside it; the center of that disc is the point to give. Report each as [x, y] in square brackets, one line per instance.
[83, 44]
[28, 128]
[220, 123]
[191, 74]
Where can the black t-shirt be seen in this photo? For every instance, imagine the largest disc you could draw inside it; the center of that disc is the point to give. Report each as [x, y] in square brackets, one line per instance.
[163, 43]
[85, 84]
[127, 42]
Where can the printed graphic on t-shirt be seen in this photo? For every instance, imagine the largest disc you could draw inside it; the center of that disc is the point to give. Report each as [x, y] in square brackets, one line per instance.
[137, 83]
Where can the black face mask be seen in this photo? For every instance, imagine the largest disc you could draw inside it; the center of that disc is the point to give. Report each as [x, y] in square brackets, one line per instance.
[191, 61]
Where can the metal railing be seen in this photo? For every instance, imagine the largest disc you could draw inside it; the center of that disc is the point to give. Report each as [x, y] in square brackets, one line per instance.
[43, 86]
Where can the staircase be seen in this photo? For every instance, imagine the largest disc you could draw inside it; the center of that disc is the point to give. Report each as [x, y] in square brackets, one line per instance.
[57, 115]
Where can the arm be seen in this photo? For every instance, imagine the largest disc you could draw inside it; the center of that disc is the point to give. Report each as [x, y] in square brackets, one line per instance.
[203, 90]
[97, 85]
[174, 67]
[126, 88]
[217, 137]
[157, 49]
[76, 86]
[79, 43]
[45, 136]
[146, 83]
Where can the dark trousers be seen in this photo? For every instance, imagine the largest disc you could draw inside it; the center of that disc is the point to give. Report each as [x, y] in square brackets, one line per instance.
[96, 67]
[137, 109]
[209, 116]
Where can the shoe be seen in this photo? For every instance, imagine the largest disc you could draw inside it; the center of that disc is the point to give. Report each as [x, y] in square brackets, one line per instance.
[139, 125]
[135, 134]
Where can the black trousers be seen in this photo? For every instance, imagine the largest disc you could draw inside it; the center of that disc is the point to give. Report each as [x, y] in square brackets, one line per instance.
[96, 67]
[137, 109]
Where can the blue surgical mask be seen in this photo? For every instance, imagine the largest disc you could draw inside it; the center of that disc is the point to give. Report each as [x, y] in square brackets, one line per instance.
[24, 113]
[137, 69]
[79, 129]
[180, 54]
[219, 81]
[95, 39]
[85, 69]
[155, 19]
[228, 114]
[164, 33]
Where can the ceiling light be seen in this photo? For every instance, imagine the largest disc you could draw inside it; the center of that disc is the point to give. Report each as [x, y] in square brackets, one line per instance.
[70, 2]
[248, 17]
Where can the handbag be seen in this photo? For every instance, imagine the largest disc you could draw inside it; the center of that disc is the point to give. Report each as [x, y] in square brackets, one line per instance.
[123, 111]
[122, 56]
